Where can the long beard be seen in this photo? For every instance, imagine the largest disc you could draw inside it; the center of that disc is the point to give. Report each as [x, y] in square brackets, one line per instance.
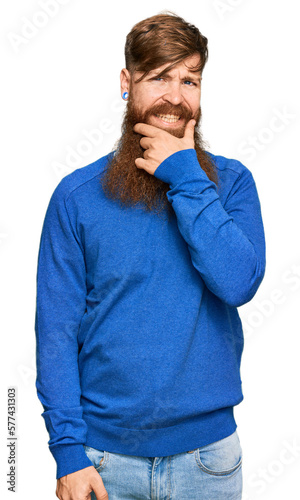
[124, 182]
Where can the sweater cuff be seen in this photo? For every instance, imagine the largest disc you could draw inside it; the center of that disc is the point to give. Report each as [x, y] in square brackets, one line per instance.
[69, 458]
[181, 166]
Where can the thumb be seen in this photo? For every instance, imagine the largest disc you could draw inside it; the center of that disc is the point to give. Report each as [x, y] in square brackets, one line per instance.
[190, 129]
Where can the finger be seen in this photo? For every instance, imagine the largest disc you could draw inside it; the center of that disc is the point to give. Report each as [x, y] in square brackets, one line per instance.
[102, 496]
[140, 163]
[190, 129]
[145, 129]
[99, 490]
[145, 142]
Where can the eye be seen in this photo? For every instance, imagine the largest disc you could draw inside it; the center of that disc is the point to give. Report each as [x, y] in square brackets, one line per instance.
[189, 83]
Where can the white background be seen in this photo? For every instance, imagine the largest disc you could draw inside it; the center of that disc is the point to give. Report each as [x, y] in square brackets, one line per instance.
[62, 82]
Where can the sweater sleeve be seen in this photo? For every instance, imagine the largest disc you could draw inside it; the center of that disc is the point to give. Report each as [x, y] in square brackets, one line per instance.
[226, 243]
[60, 305]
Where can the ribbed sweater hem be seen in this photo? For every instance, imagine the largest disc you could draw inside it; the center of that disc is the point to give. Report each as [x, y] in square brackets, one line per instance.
[159, 442]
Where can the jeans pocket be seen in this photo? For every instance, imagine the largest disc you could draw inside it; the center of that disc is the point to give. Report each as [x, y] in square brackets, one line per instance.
[99, 458]
[221, 458]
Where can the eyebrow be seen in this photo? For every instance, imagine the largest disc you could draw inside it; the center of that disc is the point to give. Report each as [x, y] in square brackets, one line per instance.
[190, 77]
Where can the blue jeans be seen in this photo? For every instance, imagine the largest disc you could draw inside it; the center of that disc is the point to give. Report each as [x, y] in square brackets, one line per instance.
[212, 472]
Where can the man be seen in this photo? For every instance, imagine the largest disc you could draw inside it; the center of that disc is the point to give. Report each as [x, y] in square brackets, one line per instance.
[145, 256]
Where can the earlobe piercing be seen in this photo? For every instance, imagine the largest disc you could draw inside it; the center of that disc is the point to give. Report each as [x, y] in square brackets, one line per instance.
[125, 96]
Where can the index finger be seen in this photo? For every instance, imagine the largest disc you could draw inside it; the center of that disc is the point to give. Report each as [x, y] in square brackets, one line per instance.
[145, 129]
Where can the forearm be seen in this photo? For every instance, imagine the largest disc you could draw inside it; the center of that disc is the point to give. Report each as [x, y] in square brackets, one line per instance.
[58, 389]
[226, 247]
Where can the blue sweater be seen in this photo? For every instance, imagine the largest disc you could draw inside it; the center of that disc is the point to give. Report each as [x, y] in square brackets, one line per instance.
[138, 336]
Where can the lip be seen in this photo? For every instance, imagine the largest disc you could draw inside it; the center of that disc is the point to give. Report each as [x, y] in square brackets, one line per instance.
[167, 124]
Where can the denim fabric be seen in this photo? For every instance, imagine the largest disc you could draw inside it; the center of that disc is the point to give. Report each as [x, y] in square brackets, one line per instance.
[212, 472]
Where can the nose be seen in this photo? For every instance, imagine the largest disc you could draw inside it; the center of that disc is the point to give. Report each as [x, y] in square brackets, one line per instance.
[174, 93]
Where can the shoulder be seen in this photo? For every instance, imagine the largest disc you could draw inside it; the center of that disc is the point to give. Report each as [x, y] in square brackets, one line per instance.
[233, 176]
[229, 166]
[80, 177]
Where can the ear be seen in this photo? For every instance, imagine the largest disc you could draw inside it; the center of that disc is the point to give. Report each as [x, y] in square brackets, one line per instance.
[125, 80]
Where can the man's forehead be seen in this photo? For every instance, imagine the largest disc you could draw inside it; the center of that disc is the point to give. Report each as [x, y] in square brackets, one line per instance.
[189, 65]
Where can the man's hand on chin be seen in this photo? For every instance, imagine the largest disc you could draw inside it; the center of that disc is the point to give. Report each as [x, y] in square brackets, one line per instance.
[160, 144]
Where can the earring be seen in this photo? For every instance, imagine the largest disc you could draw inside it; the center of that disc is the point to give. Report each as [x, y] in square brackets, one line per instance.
[125, 96]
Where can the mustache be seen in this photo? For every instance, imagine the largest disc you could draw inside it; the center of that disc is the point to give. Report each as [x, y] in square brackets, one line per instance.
[169, 109]
[134, 115]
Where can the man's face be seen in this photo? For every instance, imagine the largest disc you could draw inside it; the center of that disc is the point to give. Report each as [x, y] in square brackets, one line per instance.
[169, 101]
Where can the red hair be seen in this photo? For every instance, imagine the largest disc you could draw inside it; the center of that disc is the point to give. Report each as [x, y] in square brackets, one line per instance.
[162, 39]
